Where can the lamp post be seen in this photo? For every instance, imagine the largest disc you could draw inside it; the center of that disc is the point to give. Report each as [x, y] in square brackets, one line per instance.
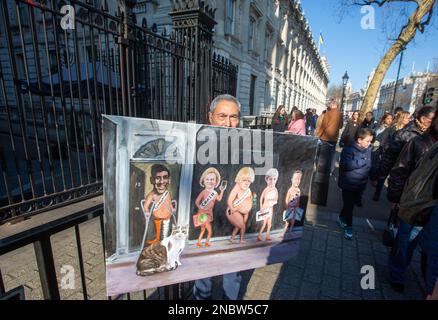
[344, 84]
[396, 81]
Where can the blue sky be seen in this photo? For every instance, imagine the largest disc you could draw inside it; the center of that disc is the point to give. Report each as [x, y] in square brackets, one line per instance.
[349, 47]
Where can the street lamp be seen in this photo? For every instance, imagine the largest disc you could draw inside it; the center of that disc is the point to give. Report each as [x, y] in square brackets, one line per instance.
[344, 84]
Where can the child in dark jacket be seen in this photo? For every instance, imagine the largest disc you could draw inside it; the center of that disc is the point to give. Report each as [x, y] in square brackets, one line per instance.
[354, 169]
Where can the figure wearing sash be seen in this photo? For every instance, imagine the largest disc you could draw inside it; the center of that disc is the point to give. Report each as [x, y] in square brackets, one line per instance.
[293, 199]
[268, 200]
[158, 202]
[205, 202]
[240, 202]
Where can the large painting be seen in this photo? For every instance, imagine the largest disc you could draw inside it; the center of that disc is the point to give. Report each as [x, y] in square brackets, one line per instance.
[185, 201]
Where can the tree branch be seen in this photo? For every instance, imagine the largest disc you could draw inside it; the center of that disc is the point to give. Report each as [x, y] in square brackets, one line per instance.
[381, 3]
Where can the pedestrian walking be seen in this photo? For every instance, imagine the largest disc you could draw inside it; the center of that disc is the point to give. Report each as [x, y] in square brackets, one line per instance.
[354, 169]
[414, 128]
[405, 242]
[328, 133]
[369, 122]
[383, 135]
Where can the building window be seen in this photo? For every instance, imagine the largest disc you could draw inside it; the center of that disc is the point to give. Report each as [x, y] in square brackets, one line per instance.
[268, 48]
[267, 96]
[251, 94]
[252, 33]
[230, 16]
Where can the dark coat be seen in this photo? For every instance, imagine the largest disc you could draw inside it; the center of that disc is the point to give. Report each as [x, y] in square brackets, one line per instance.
[384, 138]
[354, 168]
[347, 137]
[370, 125]
[400, 138]
[406, 163]
[279, 124]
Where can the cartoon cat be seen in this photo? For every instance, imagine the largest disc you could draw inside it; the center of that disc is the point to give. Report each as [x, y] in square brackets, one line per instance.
[175, 245]
[152, 259]
[163, 256]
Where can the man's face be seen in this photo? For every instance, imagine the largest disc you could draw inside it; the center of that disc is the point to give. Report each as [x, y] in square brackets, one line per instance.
[369, 116]
[161, 181]
[226, 114]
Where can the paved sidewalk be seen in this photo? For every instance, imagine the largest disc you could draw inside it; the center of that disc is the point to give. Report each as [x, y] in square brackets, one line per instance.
[328, 266]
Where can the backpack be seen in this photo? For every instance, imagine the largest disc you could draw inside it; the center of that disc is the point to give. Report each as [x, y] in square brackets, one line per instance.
[418, 198]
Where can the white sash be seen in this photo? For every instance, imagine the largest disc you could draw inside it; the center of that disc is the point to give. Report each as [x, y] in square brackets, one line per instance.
[245, 195]
[207, 200]
[157, 205]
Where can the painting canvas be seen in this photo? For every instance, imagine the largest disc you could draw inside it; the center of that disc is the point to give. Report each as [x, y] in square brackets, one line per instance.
[185, 201]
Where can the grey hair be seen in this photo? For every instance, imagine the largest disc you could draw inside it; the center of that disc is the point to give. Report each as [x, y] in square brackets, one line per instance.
[223, 97]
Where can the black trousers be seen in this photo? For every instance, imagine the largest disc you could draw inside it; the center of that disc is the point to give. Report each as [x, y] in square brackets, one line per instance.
[379, 187]
[350, 199]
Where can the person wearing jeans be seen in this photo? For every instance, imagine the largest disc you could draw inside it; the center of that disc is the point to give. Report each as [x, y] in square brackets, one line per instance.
[401, 254]
[203, 289]
[429, 244]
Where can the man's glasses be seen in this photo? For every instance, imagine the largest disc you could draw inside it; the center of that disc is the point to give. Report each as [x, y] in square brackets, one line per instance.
[223, 117]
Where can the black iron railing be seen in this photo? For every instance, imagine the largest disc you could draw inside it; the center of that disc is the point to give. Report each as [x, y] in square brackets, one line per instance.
[40, 237]
[56, 83]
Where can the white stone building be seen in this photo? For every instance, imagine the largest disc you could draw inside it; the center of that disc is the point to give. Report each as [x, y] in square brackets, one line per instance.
[409, 94]
[272, 44]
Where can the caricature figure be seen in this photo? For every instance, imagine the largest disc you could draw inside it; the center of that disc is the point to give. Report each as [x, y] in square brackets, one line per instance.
[293, 199]
[158, 201]
[240, 202]
[268, 200]
[210, 179]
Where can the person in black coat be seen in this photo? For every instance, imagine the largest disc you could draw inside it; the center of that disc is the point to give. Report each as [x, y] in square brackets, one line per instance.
[349, 133]
[415, 128]
[369, 122]
[354, 169]
[408, 159]
[383, 136]
[405, 244]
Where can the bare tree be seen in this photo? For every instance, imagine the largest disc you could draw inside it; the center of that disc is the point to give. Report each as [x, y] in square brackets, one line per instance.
[417, 21]
[335, 92]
